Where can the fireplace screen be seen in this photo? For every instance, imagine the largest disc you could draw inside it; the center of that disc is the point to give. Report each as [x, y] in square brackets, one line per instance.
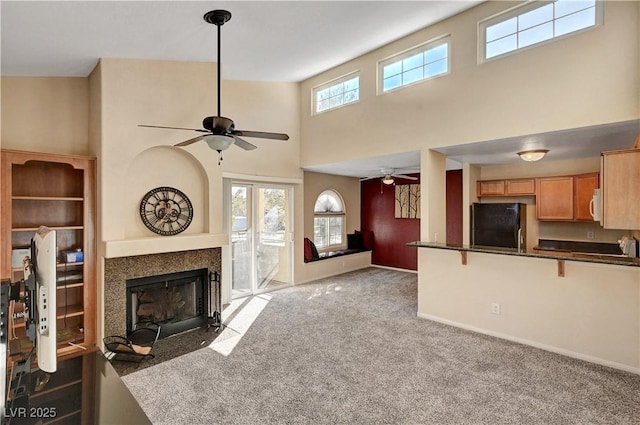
[177, 301]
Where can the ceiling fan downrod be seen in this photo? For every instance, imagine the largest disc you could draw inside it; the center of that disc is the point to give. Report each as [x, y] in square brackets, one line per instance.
[218, 18]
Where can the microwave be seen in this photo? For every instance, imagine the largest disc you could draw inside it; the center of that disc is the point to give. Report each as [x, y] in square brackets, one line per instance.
[595, 205]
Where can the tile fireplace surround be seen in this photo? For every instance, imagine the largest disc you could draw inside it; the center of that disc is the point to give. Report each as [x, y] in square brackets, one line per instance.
[118, 270]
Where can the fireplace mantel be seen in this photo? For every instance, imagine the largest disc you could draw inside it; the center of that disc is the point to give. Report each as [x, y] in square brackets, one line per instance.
[164, 244]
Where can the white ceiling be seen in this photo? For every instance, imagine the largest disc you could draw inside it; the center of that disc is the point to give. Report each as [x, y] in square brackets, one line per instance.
[263, 41]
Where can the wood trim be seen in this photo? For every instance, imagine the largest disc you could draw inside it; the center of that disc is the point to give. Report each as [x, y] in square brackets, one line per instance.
[560, 268]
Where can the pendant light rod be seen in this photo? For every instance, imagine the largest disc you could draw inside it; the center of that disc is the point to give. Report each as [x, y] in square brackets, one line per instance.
[219, 71]
[218, 18]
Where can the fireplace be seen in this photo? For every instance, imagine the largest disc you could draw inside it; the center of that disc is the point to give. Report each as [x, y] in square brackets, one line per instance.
[119, 270]
[175, 301]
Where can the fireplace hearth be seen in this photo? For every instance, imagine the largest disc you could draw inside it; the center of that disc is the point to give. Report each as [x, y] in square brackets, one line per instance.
[175, 301]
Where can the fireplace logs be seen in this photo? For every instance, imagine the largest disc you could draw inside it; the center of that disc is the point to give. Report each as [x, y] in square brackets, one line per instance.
[160, 305]
[176, 301]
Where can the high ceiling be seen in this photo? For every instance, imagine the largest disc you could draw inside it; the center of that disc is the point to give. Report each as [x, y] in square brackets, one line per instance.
[263, 41]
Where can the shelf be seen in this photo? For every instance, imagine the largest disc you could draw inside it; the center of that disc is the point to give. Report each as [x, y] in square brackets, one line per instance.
[47, 198]
[69, 311]
[33, 229]
[63, 265]
[70, 285]
[46, 391]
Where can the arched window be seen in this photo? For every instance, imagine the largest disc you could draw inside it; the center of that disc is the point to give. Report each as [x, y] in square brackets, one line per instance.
[328, 220]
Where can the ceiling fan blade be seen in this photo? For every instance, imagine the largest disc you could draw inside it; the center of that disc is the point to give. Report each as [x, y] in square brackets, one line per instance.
[174, 128]
[241, 143]
[368, 178]
[190, 141]
[403, 176]
[260, 134]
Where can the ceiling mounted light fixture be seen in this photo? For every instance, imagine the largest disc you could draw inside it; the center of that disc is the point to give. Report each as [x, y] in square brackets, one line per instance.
[533, 155]
[388, 179]
[218, 142]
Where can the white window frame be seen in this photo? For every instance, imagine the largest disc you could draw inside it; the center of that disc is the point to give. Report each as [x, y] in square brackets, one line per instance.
[520, 10]
[333, 83]
[420, 48]
[329, 214]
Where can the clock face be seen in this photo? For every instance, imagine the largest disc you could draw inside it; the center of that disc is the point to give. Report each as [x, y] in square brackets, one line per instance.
[166, 211]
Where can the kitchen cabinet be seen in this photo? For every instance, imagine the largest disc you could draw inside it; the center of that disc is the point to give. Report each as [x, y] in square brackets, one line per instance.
[584, 185]
[565, 198]
[57, 191]
[513, 187]
[554, 198]
[621, 189]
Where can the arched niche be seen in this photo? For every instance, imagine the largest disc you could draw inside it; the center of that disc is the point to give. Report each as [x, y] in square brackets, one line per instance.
[164, 166]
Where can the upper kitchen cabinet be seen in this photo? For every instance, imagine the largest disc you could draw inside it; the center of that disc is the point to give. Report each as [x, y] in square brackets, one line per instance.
[621, 189]
[583, 187]
[513, 187]
[565, 198]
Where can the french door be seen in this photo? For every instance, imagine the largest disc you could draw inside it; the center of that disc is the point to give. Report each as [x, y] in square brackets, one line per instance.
[261, 235]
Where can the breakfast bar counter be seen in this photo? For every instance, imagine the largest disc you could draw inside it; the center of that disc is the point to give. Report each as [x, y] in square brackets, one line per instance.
[537, 253]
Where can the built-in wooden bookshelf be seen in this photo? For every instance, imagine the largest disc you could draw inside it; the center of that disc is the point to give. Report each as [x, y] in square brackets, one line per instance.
[57, 191]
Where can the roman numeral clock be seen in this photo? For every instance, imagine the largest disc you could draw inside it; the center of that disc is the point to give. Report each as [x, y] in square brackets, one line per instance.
[166, 211]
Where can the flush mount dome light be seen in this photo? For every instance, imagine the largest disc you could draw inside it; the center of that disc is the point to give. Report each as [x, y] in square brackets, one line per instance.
[533, 155]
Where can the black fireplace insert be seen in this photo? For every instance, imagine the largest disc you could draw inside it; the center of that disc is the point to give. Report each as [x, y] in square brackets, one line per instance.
[176, 301]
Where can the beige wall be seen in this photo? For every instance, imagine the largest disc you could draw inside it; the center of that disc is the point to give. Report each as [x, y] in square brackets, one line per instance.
[45, 114]
[592, 313]
[181, 94]
[347, 187]
[585, 79]
[349, 190]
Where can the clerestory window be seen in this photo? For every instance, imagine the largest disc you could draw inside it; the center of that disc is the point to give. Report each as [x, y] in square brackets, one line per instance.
[535, 23]
[419, 63]
[336, 93]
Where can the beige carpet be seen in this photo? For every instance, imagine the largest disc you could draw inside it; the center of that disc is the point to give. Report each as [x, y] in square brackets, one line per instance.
[350, 350]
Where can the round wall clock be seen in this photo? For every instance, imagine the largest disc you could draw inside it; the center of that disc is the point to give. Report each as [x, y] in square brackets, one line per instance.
[166, 211]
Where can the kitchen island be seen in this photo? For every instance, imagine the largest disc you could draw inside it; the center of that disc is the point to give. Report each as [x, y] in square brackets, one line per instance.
[581, 305]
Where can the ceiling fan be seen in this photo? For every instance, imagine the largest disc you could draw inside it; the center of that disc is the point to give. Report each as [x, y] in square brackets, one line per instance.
[388, 176]
[220, 132]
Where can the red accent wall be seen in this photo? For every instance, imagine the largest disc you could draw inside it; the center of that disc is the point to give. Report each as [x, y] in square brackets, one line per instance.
[454, 207]
[390, 234]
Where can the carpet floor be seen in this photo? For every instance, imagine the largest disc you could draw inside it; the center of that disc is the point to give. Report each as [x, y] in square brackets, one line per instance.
[351, 350]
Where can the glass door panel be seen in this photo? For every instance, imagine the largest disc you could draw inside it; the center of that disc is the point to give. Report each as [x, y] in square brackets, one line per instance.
[273, 246]
[241, 243]
[260, 238]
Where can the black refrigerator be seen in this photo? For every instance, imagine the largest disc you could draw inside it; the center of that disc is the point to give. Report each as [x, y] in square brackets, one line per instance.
[500, 225]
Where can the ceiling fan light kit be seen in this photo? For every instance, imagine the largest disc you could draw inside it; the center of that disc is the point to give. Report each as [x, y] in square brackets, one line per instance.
[387, 180]
[218, 142]
[388, 176]
[533, 155]
[221, 132]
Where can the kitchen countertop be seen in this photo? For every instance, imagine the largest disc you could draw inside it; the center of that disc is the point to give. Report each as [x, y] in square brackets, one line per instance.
[551, 254]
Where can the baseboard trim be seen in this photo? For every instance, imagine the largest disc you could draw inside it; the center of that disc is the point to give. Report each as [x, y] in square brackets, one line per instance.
[395, 268]
[551, 348]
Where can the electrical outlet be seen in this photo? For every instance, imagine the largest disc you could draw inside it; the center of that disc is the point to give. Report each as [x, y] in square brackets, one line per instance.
[591, 235]
[495, 308]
